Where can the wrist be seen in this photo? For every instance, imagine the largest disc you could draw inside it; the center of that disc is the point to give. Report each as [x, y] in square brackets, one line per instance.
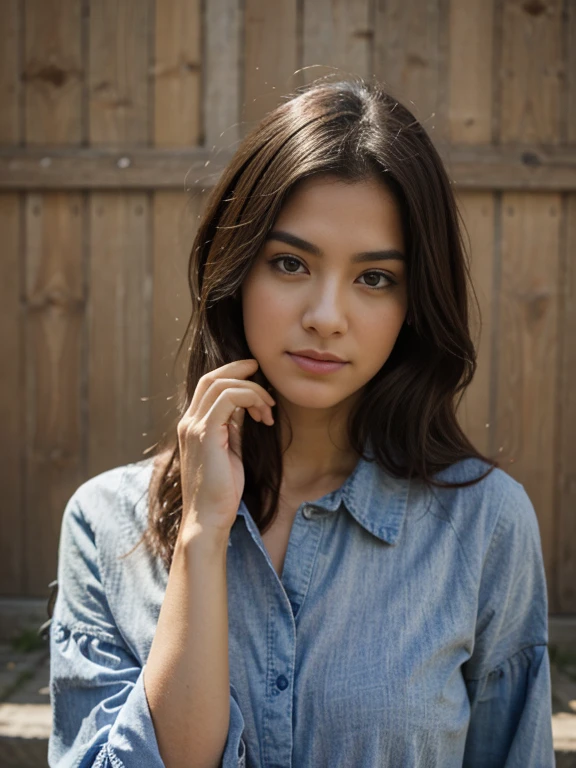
[195, 536]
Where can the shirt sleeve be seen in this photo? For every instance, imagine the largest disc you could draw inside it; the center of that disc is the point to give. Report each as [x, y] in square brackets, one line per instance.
[508, 674]
[100, 713]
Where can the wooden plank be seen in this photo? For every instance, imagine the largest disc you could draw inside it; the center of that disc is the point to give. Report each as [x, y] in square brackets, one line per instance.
[54, 294]
[410, 58]
[474, 411]
[527, 356]
[270, 56]
[531, 84]
[10, 113]
[108, 168]
[222, 52]
[569, 102]
[337, 39]
[177, 45]
[119, 272]
[566, 415]
[118, 330]
[470, 122]
[11, 328]
[175, 224]
[11, 403]
[470, 80]
[566, 421]
[55, 303]
[177, 74]
[478, 167]
[53, 72]
[527, 353]
[118, 71]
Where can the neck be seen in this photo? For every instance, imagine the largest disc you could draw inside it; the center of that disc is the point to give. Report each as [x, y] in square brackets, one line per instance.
[319, 449]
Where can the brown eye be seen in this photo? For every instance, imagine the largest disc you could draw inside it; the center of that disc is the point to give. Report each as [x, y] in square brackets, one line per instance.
[293, 264]
[376, 277]
[372, 276]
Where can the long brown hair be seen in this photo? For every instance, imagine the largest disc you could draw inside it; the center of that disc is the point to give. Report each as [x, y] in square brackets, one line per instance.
[357, 131]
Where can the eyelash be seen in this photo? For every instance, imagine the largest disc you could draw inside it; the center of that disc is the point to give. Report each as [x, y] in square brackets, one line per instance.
[275, 262]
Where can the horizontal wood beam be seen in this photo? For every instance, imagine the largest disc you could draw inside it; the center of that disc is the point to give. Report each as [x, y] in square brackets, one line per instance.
[506, 167]
[124, 168]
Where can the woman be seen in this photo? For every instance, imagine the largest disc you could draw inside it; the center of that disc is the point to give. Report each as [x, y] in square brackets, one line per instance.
[340, 579]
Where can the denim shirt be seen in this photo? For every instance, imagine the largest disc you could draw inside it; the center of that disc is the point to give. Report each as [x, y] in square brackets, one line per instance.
[408, 628]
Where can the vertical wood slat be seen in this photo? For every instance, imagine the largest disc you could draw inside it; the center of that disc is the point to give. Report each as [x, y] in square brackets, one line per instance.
[9, 72]
[11, 337]
[470, 73]
[337, 39]
[177, 74]
[474, 411]
[175, 224]
[53, 72]
[526, 358]
[565, 554]
[222, 52]
[270, 57]
[119, 234]
[119, 61]
[527, 350]
[175, 217]
[54, 341]
[470, 122]
[119, 320]
[410, 52]
[12, 443]
[54, 297]
[531, 84]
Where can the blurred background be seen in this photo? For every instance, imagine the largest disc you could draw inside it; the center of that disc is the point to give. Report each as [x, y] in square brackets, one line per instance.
[116, 118]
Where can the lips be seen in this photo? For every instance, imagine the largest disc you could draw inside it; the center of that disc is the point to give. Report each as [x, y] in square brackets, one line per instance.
[312, 365]
[322, 356]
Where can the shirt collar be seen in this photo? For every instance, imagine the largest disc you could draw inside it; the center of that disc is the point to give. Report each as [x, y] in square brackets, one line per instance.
[375, 499]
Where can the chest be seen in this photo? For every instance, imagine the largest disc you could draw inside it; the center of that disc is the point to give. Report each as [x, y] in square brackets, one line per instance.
[276, 538]
[374, 647]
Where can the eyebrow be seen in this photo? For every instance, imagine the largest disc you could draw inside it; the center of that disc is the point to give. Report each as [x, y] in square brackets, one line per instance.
[304, 245]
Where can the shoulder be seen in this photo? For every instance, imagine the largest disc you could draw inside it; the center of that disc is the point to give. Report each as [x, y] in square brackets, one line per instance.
[495, 494]
[112, 502]
[495, 510]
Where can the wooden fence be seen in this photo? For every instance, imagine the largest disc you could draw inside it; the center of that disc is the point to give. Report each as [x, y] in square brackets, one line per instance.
[116, 116]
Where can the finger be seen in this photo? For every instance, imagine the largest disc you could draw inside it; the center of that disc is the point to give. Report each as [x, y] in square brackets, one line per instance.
[239, 369]
[220, 385]
[223, 408]
[235, 431]
[237, 418]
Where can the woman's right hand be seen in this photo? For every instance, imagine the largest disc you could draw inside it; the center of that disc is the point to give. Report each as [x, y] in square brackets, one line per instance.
[209, 439]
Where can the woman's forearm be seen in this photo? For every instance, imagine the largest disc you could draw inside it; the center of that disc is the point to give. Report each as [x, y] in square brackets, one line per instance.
[186, 677]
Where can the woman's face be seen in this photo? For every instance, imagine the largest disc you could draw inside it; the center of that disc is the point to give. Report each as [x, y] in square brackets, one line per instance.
[330, 278]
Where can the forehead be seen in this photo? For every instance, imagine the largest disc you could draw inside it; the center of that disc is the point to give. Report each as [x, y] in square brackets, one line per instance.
[320, 206]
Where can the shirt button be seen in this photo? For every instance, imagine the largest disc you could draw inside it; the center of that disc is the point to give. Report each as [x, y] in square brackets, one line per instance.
[281, 682]
[307, 512]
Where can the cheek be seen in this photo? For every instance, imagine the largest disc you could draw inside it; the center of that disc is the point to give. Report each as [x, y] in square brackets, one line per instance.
[263, 314]
[378, 332]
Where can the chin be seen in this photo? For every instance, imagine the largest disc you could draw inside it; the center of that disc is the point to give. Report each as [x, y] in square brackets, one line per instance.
[312, 394]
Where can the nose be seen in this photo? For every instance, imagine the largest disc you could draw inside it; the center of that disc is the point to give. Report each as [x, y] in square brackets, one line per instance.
[325, 310]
